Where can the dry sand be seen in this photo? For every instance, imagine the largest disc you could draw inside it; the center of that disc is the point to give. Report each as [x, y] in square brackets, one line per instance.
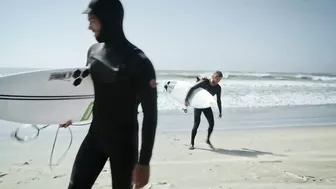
[296, 157]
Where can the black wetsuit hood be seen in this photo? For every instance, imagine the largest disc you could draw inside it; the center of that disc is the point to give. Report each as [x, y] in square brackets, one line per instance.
[111, 16]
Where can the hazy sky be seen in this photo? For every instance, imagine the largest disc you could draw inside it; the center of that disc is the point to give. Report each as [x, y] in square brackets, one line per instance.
[242, 35]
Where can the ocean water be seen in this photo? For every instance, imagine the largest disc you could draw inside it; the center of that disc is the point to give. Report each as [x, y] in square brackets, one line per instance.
[253, 90]
[251, 100]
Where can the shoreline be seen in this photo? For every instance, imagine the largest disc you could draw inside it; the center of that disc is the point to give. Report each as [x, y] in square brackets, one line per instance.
[80, 130]
[233, 119]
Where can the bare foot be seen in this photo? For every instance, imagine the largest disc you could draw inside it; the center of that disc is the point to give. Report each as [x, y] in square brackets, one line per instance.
[209, 143]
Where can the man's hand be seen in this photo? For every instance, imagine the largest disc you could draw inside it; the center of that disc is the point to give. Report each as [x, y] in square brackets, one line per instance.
[66, 124]
[140, 176]
[220, 116]
[186, 103]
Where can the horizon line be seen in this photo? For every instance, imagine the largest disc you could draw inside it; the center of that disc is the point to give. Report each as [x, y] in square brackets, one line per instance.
[190, 70]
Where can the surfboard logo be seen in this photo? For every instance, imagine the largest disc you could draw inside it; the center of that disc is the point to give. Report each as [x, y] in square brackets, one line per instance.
[60, 76]
[77, 75]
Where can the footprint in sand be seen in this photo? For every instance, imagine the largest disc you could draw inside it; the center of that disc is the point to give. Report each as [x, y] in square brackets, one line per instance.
[276, 161]
[162, 183]
[3, 174]
[59, 176]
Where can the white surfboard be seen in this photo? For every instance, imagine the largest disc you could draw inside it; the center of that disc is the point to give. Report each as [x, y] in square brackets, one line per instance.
[200, 98]
[50, 96]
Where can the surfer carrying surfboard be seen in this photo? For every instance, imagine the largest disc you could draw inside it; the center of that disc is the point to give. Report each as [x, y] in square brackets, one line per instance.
[212, 86]
[123, 77]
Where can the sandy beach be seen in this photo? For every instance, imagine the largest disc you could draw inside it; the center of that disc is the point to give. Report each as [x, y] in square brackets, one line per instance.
[289, 157]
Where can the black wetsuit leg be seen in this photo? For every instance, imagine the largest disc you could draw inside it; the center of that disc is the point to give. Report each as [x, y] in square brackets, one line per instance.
[88, 164]
[91, 159]
[210, 117]
[122, 162]
[197, 121]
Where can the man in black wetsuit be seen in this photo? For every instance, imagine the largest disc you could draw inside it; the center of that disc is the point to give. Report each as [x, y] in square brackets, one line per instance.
[212, 86]
[123, 77]
[166, 85]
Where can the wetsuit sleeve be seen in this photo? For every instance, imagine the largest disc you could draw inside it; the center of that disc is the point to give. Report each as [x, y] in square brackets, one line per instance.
[146, 80]
[219, 101]
[199, 84]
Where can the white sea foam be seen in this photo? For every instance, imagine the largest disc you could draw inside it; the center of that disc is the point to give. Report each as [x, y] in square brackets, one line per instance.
[263, 93]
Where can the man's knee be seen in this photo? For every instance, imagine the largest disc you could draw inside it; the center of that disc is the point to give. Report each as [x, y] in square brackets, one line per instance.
[122, 163]
[210, 129]
[122, 183]
[196, 125]
[122, 174]
[211, 124]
